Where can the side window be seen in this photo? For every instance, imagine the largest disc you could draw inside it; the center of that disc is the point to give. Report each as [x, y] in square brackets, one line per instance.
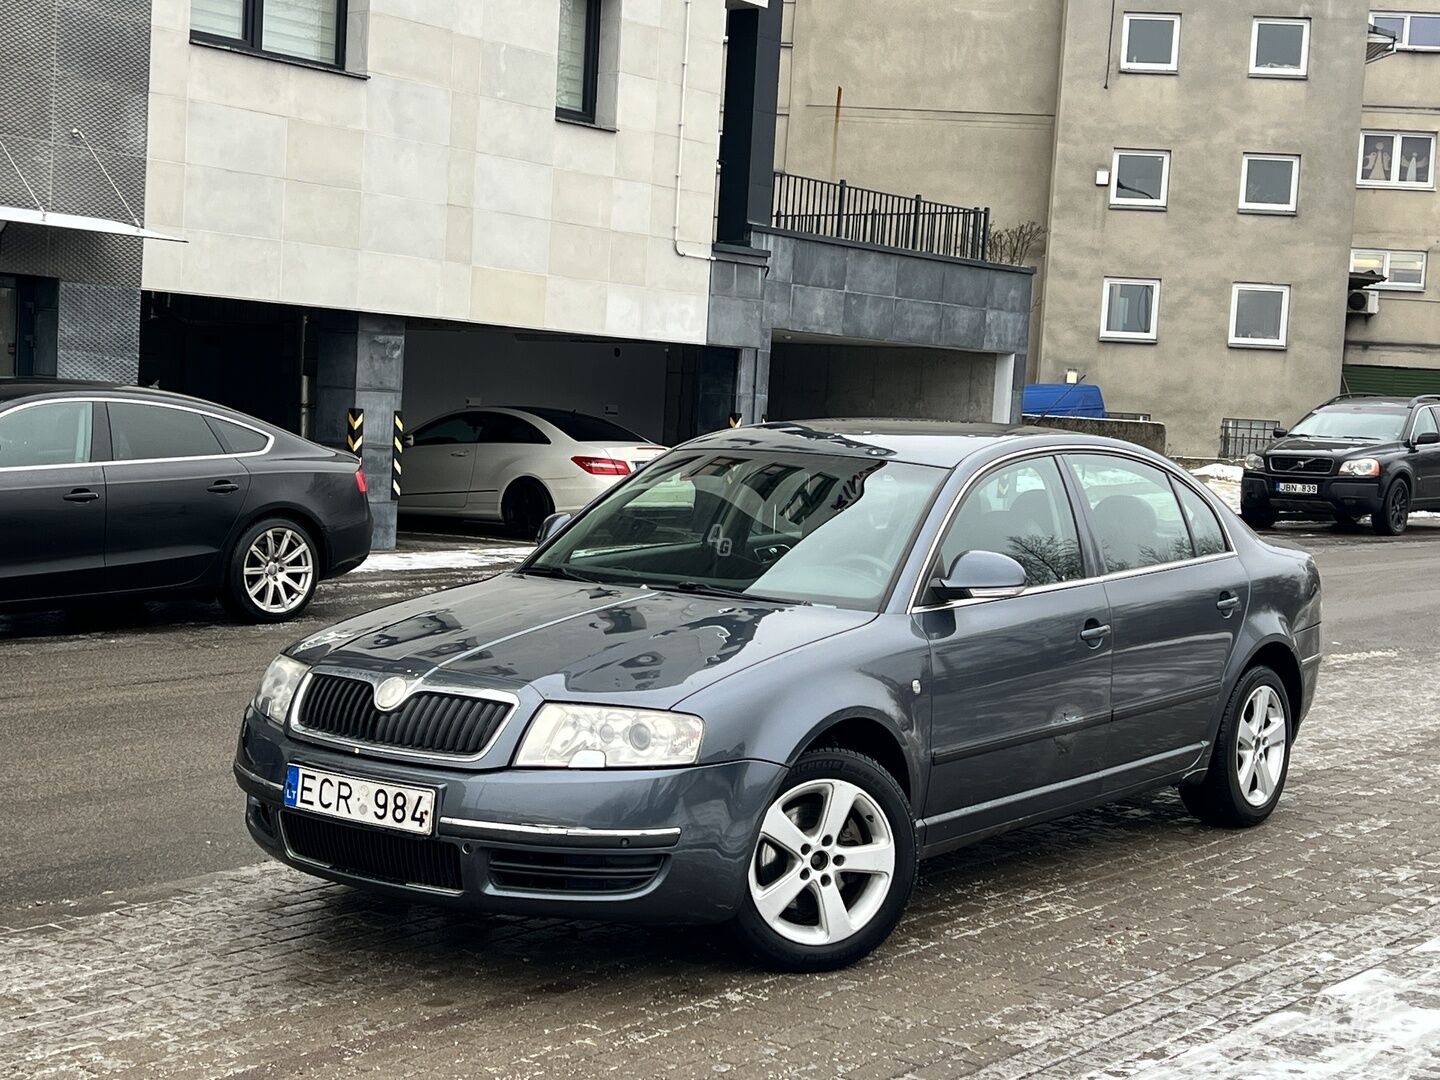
[139, 432]
[56, 433]
[1020, 510]
[1137, 518]
[1424, 421]
[504, 428]
[448, 431]
[1204, 526]
[237, 438]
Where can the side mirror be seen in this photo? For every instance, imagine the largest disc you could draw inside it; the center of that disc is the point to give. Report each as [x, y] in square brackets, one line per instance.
[1279, 433]
[552, 525]
[981, 575]
[1427, 438]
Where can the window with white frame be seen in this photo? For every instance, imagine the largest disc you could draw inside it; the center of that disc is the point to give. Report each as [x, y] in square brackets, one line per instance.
[312, 30]
[1130, 309]
[1259, 315]
[1150, 42]
[1404, 271]
[1280, 48]
[1414, 31]
[1140, 179]
[1269, 183]
[1396, 159]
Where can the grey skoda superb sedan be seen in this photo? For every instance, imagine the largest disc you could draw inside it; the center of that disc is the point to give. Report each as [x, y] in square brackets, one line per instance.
[762, 677]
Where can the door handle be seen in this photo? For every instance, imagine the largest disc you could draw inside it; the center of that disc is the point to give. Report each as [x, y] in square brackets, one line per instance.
[81, 495]
[223, 487]
[459, 453]
[1227, 603]
[1094, 632]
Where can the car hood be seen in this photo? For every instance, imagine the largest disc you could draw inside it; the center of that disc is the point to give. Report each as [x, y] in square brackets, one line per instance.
[572, 641]
[1304, 444]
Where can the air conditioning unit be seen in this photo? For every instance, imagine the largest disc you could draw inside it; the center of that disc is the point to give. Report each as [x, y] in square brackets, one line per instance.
[1363, 302]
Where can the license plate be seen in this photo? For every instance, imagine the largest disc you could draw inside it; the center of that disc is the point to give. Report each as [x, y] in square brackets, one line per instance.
[369, 802]
[1297, 489]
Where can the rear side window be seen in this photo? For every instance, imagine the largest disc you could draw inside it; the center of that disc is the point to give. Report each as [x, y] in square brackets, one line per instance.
[1022, 511]
[584, 428]
[1204, 525]
[140, 432]
[236, 438]
[1137, 518]
[55, 433]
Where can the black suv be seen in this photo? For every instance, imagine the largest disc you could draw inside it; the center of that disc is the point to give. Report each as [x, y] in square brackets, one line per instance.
[1357, 454]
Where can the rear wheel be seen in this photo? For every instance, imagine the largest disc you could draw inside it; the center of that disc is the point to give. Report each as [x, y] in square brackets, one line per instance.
[1251, 757]
[1394, 512]
[526, 506]
[272, 573]
[832, 867]
[1258, 519]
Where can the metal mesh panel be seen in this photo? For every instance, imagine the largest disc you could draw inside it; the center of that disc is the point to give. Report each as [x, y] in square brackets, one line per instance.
[99, 332]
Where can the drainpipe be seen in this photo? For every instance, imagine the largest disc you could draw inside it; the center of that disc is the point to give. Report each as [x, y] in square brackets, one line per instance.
[680, 141]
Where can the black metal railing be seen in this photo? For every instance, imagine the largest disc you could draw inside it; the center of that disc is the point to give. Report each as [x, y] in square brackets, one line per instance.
[804, 204]
[1239, 437]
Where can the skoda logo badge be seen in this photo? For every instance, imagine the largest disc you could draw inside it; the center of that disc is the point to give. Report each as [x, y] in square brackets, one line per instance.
[390, 693]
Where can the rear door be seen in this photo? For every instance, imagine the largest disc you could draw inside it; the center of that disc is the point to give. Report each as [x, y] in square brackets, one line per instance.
[1177, 598]
[439, 463]
[175, 495]
[1020, 687]
[1427, 460]
[52, 502]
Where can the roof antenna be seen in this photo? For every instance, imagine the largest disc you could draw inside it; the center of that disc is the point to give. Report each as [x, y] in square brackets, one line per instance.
[76, 133]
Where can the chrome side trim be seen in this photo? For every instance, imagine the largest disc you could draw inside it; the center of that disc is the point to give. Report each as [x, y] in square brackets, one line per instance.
[382, 750]
[1049, 789]
[567, 831]
[111, 462]
[1052, 450]
[1311, 660]
[271, 785]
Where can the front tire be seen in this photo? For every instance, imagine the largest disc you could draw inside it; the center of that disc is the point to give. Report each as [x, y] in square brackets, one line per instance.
[832, 867]
[1251, 758]
[272, 572]
[1394, 513]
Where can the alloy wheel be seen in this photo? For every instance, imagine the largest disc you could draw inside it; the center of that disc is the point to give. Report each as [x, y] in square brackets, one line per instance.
[278, 570]
[824, 863]
[1399, 509]
[1261, 746]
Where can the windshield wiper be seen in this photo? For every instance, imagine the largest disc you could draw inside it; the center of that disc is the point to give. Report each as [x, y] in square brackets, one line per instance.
[702, 589]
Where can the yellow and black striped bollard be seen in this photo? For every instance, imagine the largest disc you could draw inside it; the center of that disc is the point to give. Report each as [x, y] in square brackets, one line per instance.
[397, 451]
[355, 430]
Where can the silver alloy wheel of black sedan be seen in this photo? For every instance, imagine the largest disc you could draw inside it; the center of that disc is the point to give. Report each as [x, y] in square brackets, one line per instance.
[279, 570]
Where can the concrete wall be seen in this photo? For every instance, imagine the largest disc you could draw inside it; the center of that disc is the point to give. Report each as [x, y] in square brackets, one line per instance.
[446, 368]
[1402, 93]
[808, 381]
[441, 184]
[1144, 433]
[1207, 115]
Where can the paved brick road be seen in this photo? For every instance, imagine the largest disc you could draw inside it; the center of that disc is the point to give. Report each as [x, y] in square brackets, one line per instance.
[1125, 942]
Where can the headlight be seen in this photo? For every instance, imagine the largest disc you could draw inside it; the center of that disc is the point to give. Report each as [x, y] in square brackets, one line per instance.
[1365, 466]
[601, 736]
[1254, 462]
[277, 688]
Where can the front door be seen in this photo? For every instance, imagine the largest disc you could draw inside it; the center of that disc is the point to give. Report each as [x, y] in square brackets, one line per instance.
[1177, 597]
[1020, 687]
[52, 502]
[1427, 461]
[439, 463]
[175, 496]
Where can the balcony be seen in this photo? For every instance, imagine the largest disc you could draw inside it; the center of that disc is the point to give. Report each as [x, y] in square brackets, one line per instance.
[835, 209]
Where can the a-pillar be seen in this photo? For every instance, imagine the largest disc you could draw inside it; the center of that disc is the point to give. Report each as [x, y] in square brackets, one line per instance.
[362, 365]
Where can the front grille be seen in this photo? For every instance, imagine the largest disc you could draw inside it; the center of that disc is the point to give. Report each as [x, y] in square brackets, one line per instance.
[1317, 466]
[432, 722]
[371, 853]
[573, 871]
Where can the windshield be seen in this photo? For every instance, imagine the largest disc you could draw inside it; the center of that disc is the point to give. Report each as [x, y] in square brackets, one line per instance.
[1354, 422]
[814, 528]
[584, 428]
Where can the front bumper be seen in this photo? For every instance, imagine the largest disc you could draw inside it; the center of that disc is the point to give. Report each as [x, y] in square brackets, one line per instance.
[1334, 495]
[657, 845]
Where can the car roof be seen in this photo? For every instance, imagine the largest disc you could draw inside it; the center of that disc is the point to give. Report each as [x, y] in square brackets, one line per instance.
[941, 443]
[40, 386]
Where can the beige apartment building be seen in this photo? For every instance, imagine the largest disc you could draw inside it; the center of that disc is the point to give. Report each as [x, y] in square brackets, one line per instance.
[1196, 172]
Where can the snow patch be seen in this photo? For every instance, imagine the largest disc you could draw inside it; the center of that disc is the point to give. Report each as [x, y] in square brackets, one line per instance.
[1373, 654]
[451, 559]
[1230, 474]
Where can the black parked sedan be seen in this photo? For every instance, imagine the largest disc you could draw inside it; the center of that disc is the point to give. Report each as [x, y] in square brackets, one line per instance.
[113, 490]
[762, 676]
[1355, 455]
